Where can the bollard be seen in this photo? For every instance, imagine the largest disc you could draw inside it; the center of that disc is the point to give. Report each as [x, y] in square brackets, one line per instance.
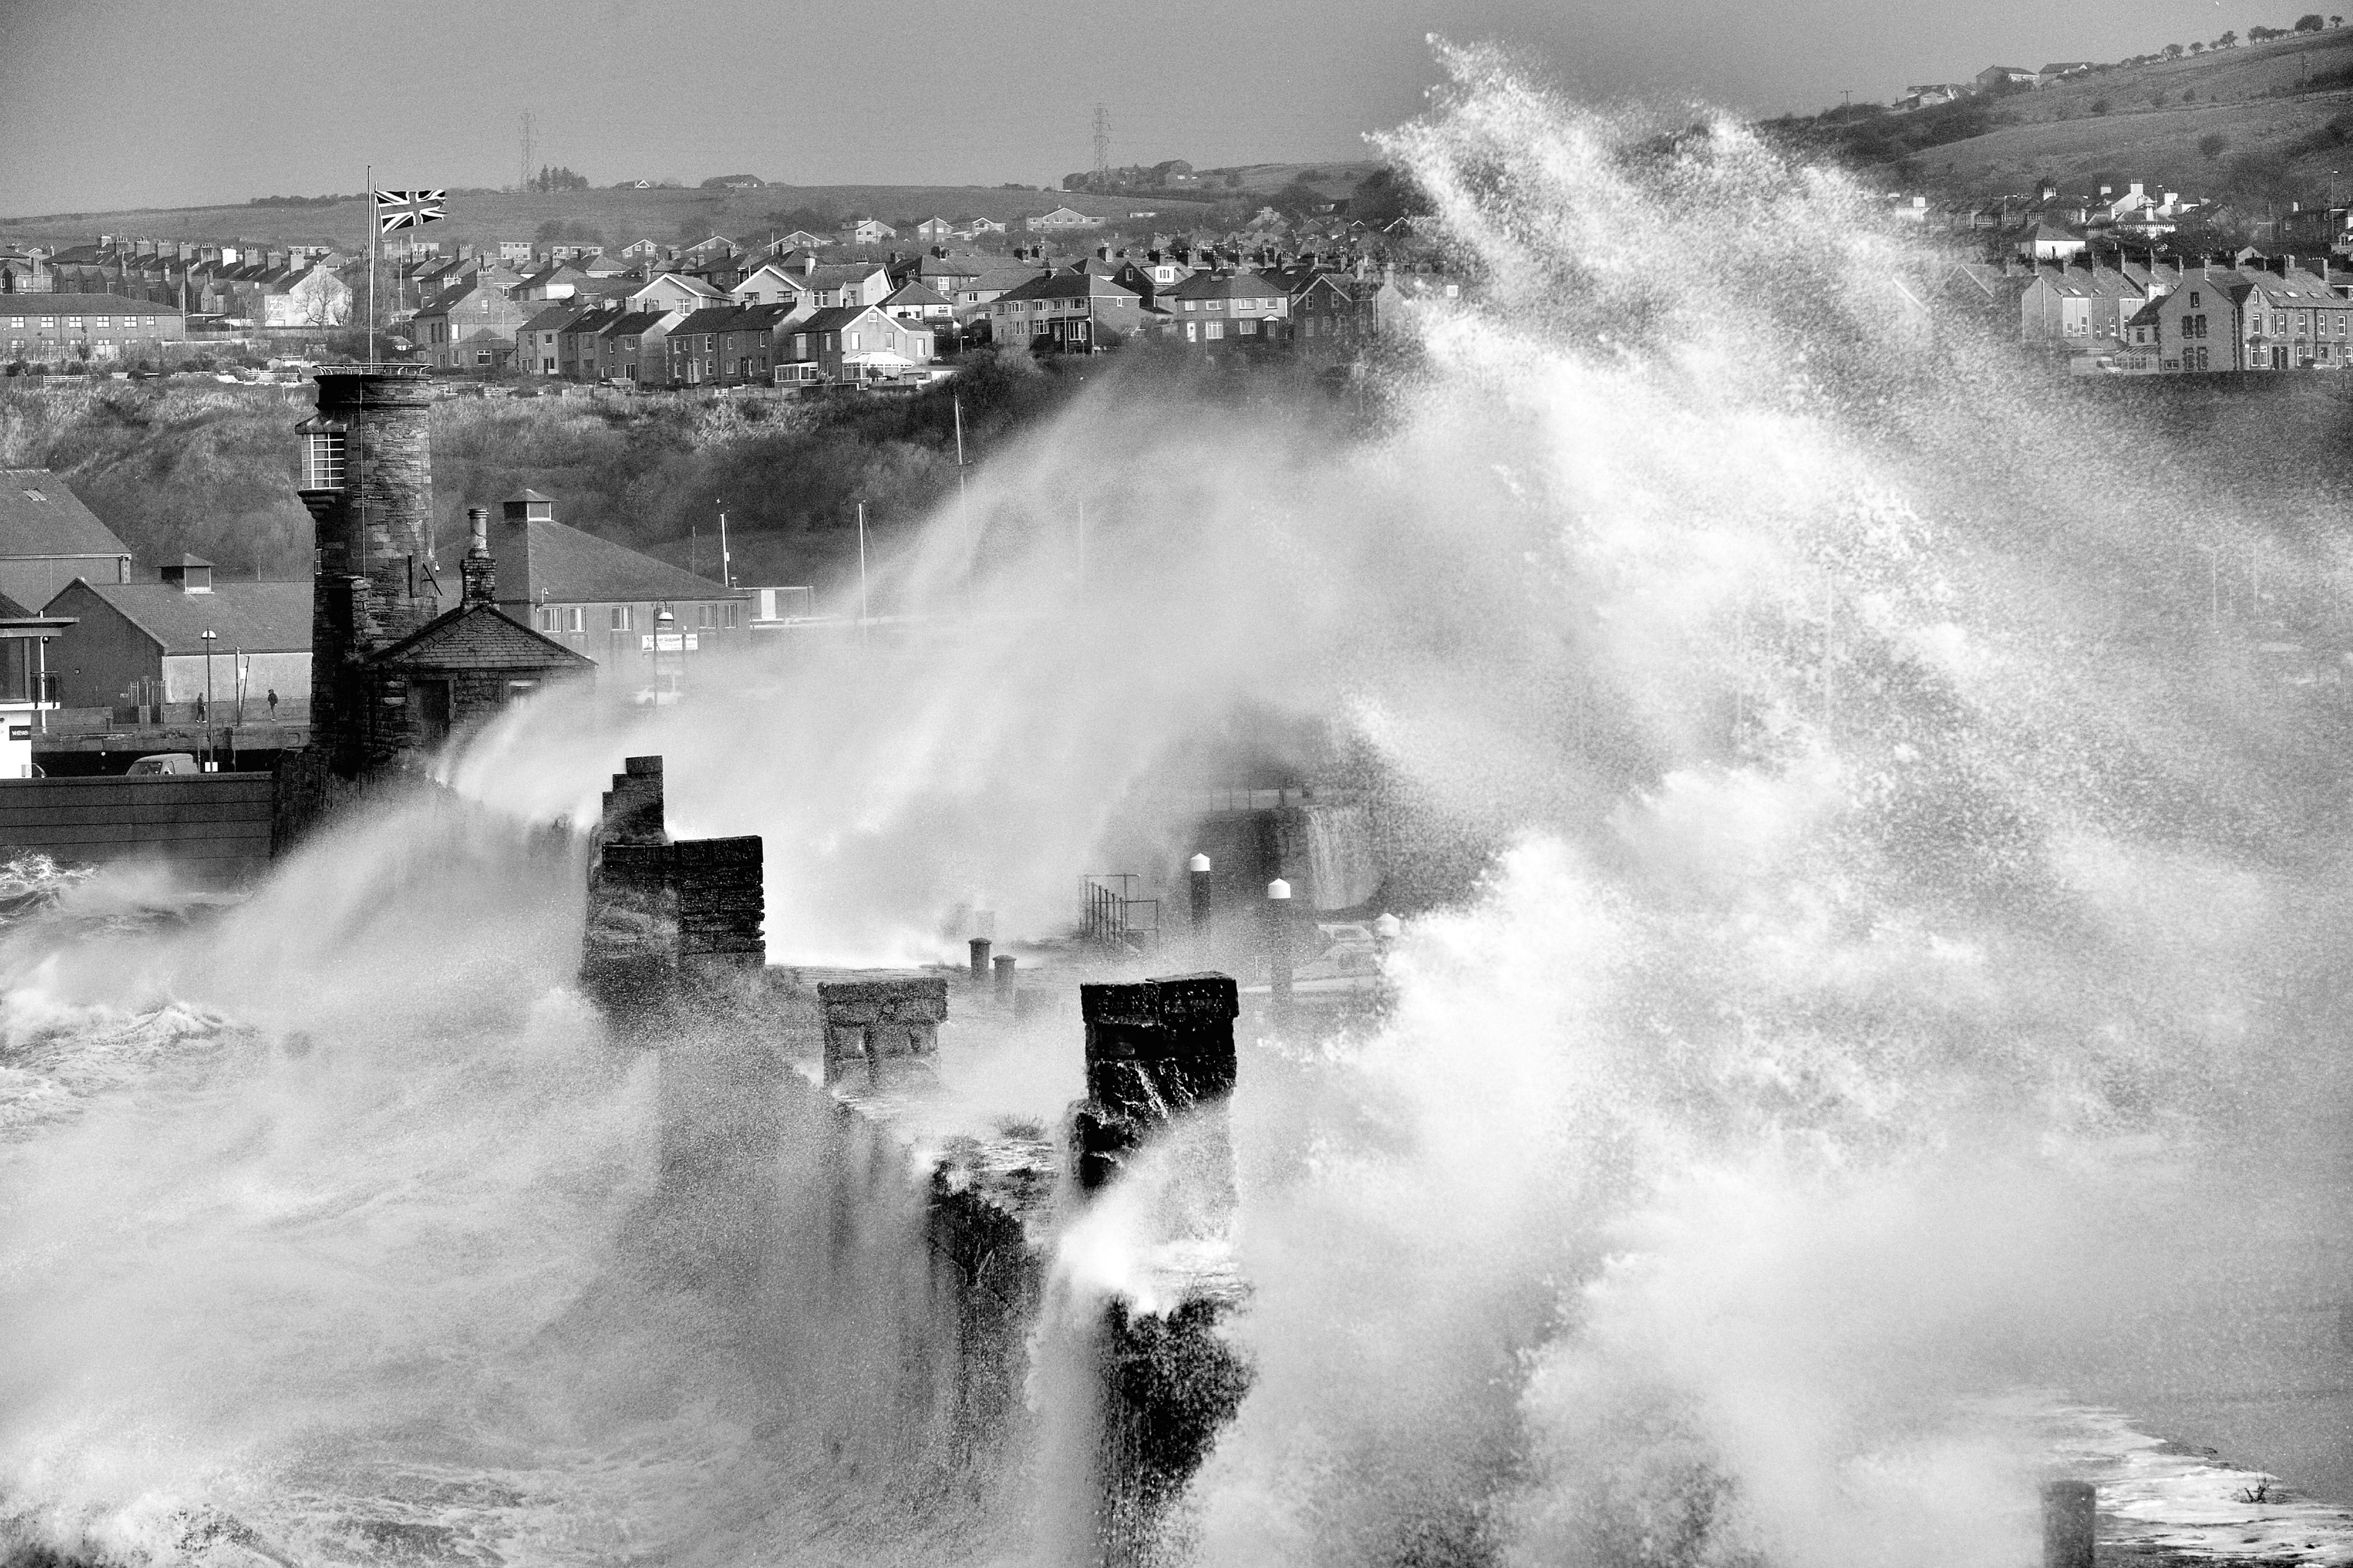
[1197, 878]
[980, 945]
[2070, 1523]
[1005, 977]
[1278, 942]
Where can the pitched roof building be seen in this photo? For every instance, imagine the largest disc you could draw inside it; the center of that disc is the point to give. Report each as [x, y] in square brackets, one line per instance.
[601, 600]
[48, 538]
[145, 642]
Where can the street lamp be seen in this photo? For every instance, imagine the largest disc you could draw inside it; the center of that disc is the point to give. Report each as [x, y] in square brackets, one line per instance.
[665, 626]
[1278, 942]
[209, 638]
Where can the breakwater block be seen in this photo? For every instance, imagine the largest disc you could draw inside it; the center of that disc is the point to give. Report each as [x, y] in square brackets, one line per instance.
[666, 918]
[881, 1034]
[1155, 1049]
[2071, 1523]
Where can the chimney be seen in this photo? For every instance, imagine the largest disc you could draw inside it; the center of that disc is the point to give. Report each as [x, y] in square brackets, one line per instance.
[808, 263]
[479, 570]
[190, 574]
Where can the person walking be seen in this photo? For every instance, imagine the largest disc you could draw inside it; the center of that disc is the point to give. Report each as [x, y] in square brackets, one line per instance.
[273, 703]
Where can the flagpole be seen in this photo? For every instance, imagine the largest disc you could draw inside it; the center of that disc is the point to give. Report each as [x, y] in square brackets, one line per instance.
[371, 194]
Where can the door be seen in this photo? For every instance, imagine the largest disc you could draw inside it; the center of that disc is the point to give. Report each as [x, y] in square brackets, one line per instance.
[433, 711]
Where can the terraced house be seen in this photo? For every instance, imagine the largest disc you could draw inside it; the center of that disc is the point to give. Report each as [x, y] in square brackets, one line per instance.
[2241, 320]
[1229, 310]
[1070, 312]
[48, 329]
[856, 344]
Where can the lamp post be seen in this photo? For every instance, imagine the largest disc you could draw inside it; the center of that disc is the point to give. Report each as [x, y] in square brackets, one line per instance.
[665, 626]
[1197, 880]
[1278, 943]
[209, 638]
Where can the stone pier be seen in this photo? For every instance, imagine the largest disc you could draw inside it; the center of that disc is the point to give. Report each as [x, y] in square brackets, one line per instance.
[806, 1127]
[1156, 1051]
[665, 918]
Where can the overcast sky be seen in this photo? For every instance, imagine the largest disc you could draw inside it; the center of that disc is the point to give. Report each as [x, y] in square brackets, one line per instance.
[108, 104]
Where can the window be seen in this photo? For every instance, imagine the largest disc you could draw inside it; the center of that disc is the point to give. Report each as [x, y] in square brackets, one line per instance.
[2193, 298]
[731, 616]
[620, 617]
[575, 619]
[323, 459]
[1216, 329]
[703, 614]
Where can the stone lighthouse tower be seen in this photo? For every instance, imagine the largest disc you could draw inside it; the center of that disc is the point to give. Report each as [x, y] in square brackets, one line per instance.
[367, 479]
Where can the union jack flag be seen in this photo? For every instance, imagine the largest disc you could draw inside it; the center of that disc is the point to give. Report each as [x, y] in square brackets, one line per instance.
[407, 209]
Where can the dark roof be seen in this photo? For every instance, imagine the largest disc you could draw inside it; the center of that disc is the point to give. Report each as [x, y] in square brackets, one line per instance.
[480, 636]
[711, 319]
[916, 294]
[554, 319]
[636, 322]
[40, 517]
[1075, 285]
[254, 617]
[834, 317]
[559, 563]
[81, 305]
[1227, 286]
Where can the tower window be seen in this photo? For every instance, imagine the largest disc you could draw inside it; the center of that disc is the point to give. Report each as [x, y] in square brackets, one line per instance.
[322, 460]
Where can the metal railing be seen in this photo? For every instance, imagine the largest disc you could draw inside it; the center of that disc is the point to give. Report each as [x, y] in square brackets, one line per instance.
[1111, 916]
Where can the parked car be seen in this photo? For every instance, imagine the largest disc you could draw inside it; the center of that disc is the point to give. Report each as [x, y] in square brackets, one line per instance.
[164, 762]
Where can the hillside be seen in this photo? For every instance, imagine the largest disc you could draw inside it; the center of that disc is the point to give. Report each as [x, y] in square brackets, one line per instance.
[619, 217]
[2252, 123]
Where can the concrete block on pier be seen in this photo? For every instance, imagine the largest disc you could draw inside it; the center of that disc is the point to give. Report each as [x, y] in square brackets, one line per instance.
[1155, 1049]
[663, 913]
[878, 1032]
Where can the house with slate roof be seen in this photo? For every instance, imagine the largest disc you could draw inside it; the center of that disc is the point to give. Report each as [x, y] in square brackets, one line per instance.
[629, 347]
[472, 324]
[1076, 311]
[604, 601]
[1211, 310]
[47, 328]
[860, 344]
[915, 302]
[536, 340]
[48, 538]
[144, 642]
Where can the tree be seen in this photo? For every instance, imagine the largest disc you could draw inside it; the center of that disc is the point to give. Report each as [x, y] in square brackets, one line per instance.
[2197, 49]
[565, 231]
[2213, 144]
[557, 179]
[2227, 41]
[2309, 22]
[2173, 51]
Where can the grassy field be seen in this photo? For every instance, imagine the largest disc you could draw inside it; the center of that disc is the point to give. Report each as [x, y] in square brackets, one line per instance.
[189, 464]
[618, 217]
[2252, 122]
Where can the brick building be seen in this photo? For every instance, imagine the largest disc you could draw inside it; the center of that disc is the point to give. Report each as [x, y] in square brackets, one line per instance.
[48, 538]
[47, 329]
